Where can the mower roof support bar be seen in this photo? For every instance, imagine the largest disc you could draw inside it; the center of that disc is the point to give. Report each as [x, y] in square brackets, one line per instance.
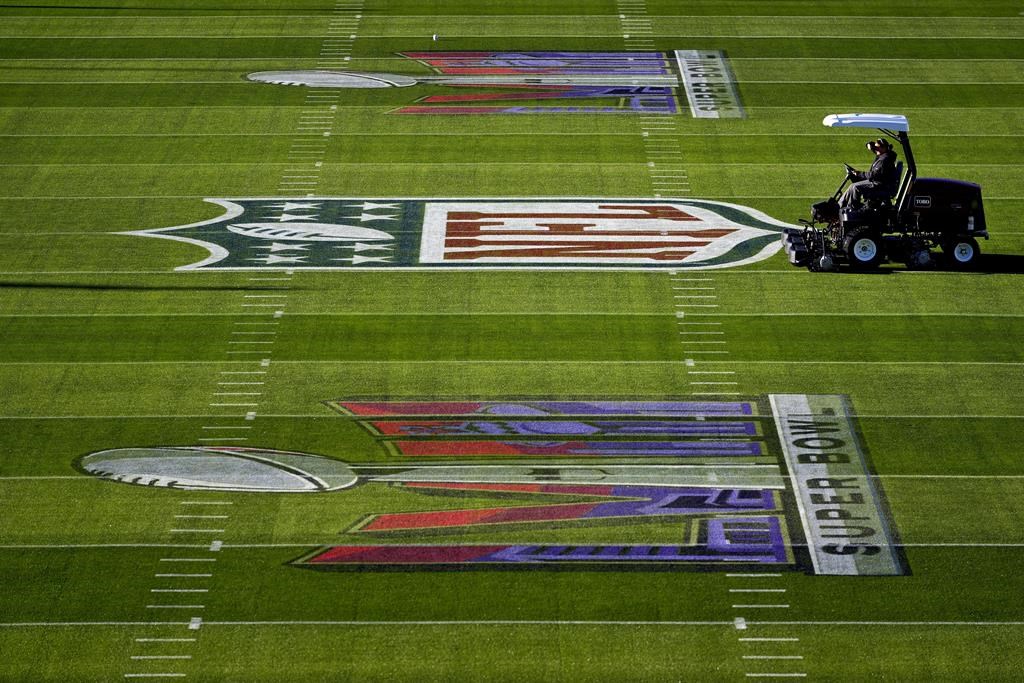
[903, 194]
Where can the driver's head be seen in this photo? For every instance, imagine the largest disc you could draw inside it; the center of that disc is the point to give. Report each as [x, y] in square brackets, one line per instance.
[879, 146]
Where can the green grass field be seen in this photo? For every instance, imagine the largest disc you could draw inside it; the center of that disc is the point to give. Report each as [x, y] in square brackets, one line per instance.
[120, 116]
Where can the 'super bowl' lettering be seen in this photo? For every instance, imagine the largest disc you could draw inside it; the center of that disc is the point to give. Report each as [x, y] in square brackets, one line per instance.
[459, 234]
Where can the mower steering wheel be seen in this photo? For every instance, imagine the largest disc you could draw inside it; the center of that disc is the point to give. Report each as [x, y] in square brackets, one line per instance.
[851, 172]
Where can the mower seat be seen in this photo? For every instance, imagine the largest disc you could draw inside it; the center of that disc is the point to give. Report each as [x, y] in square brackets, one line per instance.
[883, 200]
[894, 187]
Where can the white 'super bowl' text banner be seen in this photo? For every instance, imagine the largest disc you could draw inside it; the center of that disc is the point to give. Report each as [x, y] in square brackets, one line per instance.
[709, 84]
[425, 234]
[842, 511]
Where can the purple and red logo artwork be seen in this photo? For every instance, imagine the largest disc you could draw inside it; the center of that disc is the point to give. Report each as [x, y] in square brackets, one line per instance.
[563, 438]
[611, 82]
[701, 466]
[515, 82]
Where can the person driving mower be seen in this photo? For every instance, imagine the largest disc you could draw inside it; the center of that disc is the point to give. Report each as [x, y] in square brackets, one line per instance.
[877, 181]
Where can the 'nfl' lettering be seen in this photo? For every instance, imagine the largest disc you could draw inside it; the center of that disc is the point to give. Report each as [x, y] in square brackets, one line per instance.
[458, 234]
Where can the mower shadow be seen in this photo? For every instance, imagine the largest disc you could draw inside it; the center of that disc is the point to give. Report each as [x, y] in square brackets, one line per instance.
[1001, 264]
[988, 264]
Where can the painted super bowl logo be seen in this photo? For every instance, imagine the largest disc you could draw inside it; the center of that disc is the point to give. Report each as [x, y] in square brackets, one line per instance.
[456, 234]
[781, 482]
[514, 82]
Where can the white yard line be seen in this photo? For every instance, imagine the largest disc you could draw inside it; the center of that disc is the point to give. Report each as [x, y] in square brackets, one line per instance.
[515, 622]
[769, 640]
[333, 541]
[338, 416]
[446, 164]
[921, 18]
[466, 314]
[643, 36]
[775, 675]
[439, 269]
[957, 477]
[651, 145]
[526, 362]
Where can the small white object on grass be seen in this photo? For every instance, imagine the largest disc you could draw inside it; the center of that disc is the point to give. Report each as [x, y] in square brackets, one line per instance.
[434, 37]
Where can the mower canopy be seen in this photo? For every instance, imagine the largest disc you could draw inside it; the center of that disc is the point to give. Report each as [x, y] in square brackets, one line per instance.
[884, 122]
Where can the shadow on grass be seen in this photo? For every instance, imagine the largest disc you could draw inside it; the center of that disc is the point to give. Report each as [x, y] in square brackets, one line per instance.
[994, 264]
[988, 264]
[135, 288]
[174, 8]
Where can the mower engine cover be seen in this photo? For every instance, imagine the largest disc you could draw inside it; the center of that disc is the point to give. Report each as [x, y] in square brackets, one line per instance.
[825, 212]
[950, 206]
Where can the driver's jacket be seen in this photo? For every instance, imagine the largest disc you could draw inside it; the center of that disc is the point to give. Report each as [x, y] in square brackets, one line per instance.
[883, 171]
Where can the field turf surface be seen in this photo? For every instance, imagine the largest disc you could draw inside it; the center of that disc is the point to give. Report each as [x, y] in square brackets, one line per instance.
[119, 116]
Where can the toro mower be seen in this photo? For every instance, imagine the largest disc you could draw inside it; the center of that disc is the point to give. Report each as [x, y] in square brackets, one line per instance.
[901, 222]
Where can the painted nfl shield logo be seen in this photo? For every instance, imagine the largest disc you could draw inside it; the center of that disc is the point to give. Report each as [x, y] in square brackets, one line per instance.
[461, 234]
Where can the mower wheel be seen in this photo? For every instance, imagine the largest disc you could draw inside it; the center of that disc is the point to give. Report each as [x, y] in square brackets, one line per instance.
[821, 264]
[863, 249]
[961, 253]
[919, 260]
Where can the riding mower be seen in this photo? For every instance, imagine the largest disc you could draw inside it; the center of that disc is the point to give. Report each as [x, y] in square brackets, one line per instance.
[902, 223]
